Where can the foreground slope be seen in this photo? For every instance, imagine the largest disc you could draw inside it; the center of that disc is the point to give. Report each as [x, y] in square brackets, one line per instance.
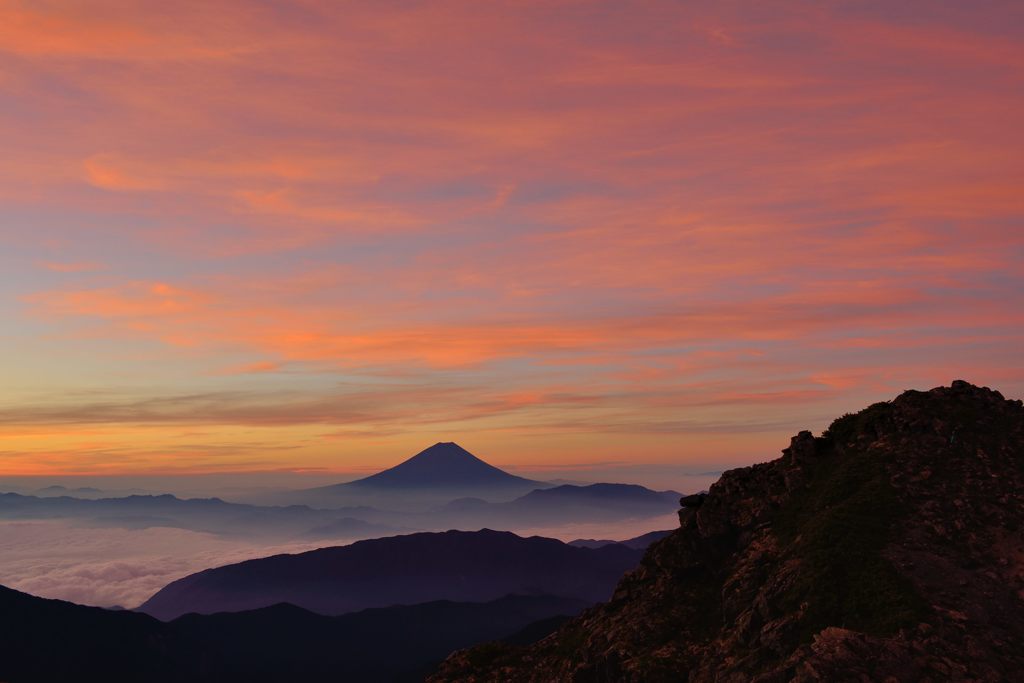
[52, 640]
[890, 548]
[453, 565]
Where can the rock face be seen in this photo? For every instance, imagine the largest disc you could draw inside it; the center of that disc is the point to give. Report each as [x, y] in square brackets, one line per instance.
[891, 548]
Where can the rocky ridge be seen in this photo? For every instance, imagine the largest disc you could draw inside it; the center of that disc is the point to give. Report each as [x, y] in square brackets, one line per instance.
[890, 548]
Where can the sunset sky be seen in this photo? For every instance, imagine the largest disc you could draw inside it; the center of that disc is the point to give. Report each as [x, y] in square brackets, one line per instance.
[632, 240]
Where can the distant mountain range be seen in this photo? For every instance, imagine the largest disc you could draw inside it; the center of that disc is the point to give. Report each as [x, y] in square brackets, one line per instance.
[566, 503]
[79, 492]
[442, 487]
[453, 565]
[52, 640]
[211, 515]
[560, 505]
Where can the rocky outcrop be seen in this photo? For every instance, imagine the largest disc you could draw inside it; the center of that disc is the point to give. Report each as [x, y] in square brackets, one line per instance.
[890, 548]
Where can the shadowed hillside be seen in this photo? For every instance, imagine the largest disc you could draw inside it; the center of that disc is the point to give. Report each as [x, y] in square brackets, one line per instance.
[52, 640]
[453, 565]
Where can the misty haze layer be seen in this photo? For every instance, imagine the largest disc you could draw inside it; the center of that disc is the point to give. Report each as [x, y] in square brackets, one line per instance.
[82, 545]
[116, 566]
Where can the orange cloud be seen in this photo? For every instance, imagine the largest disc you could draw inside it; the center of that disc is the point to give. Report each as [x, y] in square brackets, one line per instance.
[120, 32]
[82, 267]
[251, 368]
[136, 301]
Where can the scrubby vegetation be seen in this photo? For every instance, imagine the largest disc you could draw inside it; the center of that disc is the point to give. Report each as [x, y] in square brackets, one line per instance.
[837, 528]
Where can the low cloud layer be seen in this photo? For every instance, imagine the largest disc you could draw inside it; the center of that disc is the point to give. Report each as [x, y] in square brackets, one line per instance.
[107, 567]
[124, 567]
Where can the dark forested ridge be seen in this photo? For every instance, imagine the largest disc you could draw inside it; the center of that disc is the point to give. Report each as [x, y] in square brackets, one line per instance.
[52, 640]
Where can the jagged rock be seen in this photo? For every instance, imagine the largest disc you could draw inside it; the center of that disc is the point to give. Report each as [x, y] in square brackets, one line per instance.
[693, 501]
[891, 548]
[689, 504]
[801, 448]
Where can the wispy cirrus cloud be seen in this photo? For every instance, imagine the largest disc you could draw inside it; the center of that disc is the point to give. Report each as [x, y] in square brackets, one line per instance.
[79, 267]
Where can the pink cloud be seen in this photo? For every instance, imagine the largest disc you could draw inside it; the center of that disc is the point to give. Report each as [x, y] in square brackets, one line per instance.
[79, 267]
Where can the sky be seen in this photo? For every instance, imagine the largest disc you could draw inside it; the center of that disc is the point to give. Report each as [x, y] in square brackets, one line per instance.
[604, 240]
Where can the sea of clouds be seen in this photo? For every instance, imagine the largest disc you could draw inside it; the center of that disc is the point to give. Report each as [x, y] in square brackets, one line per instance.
[109, 567]
[114, 567]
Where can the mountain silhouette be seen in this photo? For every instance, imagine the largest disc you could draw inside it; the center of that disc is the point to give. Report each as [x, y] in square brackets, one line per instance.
[604, 496]
[211, 515]
[57, 490]
[639, 543]
[453, 565]
[445, 465]
[53, 640]
[890, 548]
[437, 474]
[593, 503]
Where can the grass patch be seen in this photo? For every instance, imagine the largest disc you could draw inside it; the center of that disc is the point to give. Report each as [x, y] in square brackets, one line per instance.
[484, 655]
[846, 428]
[571, 641]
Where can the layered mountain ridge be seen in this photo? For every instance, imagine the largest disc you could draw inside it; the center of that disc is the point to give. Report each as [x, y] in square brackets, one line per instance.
[889, 548]
[468, 566]
[442, 487]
